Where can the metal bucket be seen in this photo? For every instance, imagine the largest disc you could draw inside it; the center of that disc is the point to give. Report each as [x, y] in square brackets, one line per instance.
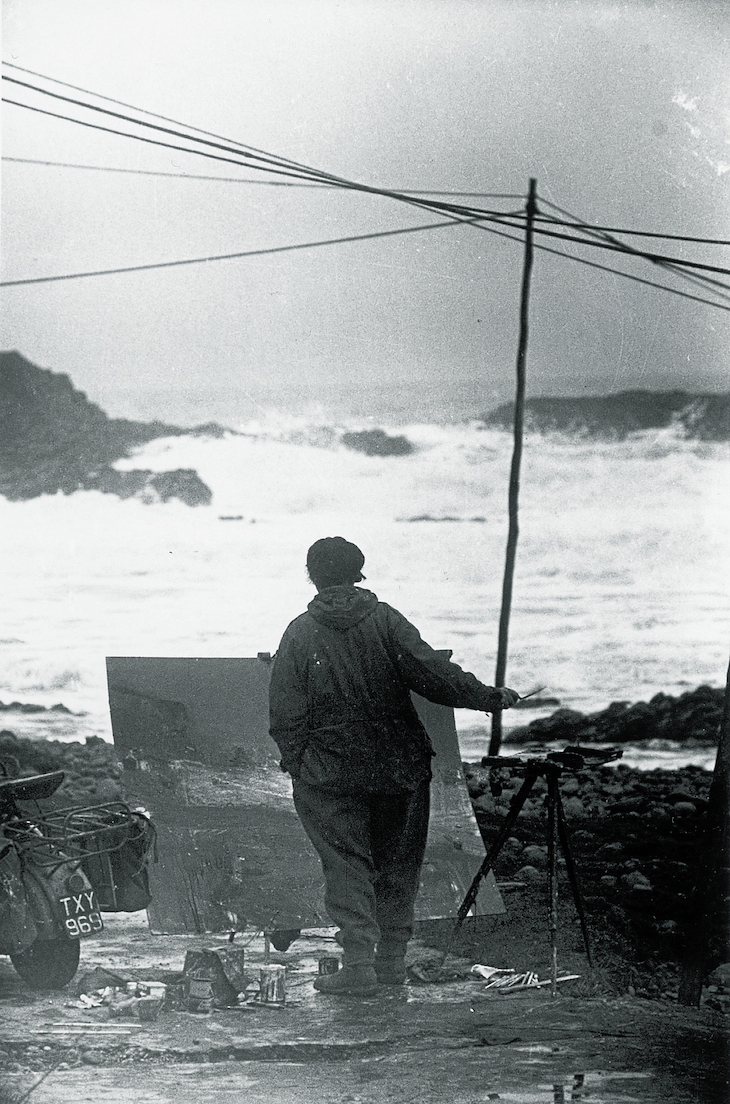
[272, 984]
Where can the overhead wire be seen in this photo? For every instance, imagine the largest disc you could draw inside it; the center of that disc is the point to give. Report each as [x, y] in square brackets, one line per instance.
[141, 138]
[619, 247]
[707, 283]
[154, 172]
[405, 191]
[606, 268]
[455, 212]
[225, 256]
[420, 191]
[283, 165]
[633, 233]
[352, 238]
[249, 180]
[198, 130]
[231, 141]
[265, 158]
[458, 212]
[269, 160]
[244, 150]
[459, 215]
[695, 278]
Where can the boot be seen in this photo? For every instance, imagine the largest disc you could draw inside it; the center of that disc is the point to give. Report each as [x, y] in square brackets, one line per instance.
[355, 981]
[390, 953]
[390, 971]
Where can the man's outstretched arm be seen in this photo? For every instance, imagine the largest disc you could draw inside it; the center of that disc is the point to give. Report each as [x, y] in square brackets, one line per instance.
[433, 676]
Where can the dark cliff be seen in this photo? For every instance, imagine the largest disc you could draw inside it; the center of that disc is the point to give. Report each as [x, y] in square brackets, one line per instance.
[53, 439]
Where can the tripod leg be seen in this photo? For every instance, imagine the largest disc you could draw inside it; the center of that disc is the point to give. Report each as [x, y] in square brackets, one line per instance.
[553, 798]
[491, 857]
[573, 878]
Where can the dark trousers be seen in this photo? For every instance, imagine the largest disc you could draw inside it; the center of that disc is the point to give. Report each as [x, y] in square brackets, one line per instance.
[371, 847]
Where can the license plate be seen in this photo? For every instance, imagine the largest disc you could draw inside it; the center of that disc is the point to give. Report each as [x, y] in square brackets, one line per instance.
[81, 914]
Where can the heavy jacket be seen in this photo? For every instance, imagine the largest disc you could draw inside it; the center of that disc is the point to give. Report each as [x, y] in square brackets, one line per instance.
[340, 709]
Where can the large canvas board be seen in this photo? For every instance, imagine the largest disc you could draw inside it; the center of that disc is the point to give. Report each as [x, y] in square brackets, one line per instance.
[193, 737]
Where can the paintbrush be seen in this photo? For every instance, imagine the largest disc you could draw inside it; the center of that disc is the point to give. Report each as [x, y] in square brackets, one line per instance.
[531, 693]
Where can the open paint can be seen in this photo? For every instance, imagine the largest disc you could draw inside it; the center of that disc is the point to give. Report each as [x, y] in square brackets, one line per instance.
[272, 984]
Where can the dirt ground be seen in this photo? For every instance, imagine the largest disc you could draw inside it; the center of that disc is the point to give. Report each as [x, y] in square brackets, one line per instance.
[452, 1041]
[615, 1034]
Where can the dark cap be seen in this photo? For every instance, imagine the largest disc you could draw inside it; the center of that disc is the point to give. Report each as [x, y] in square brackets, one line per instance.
[333, 561]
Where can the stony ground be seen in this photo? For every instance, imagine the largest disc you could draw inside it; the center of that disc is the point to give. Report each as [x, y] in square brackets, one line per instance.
[634, 837]
[452, 1040]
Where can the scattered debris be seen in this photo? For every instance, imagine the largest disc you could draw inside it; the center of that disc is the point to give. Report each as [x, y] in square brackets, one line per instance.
[512, 981]
[223, 971]
[142, 1000]
[99, 978]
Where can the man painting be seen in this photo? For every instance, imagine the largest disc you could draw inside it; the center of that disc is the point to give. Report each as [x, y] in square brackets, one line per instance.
[342, 716]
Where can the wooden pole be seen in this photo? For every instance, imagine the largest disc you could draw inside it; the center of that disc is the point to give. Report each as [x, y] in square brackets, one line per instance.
[714, 861]
[514, 479]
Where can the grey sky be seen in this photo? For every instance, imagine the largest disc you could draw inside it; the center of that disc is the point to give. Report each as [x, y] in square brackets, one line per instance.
[620, 110]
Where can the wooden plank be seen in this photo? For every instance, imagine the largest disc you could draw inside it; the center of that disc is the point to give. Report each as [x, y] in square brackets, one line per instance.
[193, 737]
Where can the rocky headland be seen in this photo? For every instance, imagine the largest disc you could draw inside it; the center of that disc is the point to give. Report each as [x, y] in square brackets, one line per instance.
[704, 417]
[53, 439]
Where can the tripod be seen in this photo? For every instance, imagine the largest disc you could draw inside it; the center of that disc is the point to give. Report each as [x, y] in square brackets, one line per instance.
[551, 768]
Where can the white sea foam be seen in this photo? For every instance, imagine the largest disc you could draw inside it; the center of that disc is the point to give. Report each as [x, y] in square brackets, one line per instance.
[620, 591]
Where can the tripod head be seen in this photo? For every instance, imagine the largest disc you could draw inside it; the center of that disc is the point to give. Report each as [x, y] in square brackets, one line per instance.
[555, 762]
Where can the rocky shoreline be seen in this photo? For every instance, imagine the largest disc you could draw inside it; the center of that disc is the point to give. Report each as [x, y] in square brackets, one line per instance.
[634, 837]
[692, 720]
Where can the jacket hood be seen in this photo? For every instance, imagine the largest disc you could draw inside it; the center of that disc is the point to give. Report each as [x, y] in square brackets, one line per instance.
[341, 607]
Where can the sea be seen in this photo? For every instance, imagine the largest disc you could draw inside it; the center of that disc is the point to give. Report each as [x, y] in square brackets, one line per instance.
[620, 590]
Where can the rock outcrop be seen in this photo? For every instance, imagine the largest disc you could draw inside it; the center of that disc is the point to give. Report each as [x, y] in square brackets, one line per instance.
[376, 442]
[692, 718]
[53, 439]
[704, 417]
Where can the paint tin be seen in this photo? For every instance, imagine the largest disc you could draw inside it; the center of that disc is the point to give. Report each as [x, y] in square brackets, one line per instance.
[200, 995]
[329, 964]
[148, 1008]
[158, 989]
[272, 985]
[176, 997]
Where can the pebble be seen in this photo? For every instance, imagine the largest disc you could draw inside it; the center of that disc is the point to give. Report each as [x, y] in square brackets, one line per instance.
[92, 1058]
[721, 975]
[529, 874]
[636, 880]
[535, 855]
[687, 808]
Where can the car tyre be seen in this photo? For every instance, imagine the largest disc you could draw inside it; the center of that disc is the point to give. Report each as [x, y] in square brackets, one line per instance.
[48, 963]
